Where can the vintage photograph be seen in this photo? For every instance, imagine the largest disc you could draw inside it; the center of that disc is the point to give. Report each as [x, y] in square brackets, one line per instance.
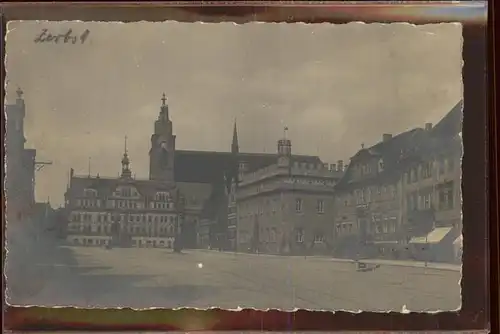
[261, 165]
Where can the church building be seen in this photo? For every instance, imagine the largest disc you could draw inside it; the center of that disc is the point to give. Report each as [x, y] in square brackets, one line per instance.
[184, 187]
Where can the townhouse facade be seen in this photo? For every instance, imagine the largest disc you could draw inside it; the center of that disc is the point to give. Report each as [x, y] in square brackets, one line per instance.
[432, 206]
[401, 198]
[369, 198]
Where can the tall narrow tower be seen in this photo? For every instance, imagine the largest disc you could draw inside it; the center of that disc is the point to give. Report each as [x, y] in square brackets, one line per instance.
[235, 151]
[126, 172]
[284, 150]
[235, 148]
[15, 124]
[162, 152]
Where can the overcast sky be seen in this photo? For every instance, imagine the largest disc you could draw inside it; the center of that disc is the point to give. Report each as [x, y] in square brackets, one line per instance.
[334, 86]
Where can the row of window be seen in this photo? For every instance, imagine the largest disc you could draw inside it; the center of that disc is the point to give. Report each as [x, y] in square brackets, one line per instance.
[102, 218]
[342, 228]
[108, 229]
[300, 236]
[365, 196]
[368, 195]
[272, 234]
[299, 205]
[424, 201]
[427, 169]
[299, 208]
[122, 204]
[136, 243]
[305, 181]
[128, 192]
[385, 227]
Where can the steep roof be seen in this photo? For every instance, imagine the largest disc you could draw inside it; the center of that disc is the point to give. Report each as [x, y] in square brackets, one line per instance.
[444, 136]
[210, 167]
[106, 186]
[212, 207]
[391, 152]
[451, 124]
[407, 147]
[198, 171]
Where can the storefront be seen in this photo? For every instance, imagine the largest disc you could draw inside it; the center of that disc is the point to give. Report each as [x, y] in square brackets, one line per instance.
[436, 246]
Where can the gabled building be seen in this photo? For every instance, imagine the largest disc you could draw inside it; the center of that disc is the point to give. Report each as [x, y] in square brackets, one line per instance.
[402, 194]
[432, 206]
[369, 197]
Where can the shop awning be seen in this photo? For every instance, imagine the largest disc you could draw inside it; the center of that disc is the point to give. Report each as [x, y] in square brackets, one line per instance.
[434, 237]
[385, 242]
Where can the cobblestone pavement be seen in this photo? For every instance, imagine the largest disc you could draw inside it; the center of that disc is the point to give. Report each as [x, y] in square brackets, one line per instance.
[143, 278]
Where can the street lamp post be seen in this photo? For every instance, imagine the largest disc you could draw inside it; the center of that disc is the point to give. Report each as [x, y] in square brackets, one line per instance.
[178, 225]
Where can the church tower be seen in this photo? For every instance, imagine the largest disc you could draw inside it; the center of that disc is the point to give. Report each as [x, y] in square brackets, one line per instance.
[162, 152]
[15, 124]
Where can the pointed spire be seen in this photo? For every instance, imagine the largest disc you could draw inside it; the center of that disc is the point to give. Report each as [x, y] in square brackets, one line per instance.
[163, 116]
[234, 145]
[126, 173]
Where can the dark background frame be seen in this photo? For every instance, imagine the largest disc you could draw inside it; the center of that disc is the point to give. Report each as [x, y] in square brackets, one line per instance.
[480, 184]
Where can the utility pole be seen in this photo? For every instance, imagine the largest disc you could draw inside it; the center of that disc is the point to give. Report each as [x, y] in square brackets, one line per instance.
[178, 225]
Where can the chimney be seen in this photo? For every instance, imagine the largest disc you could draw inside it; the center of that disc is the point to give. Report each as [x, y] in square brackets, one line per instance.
[333, 167]
[386, 137]
[340, 165]
[428, 126]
